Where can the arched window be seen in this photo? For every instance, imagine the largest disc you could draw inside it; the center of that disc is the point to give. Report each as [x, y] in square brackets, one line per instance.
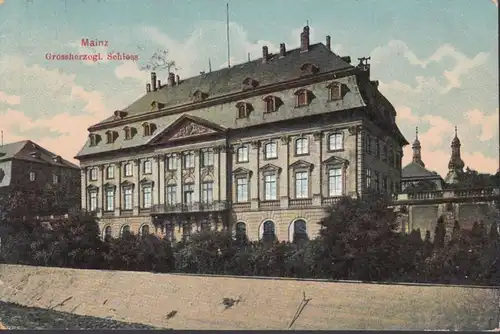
[336, 141]
[299, 230]
[268, 231]
[107, 233]
[271, 150]
[301, 146]
[125, 231]
[240, 231]
[144, 230]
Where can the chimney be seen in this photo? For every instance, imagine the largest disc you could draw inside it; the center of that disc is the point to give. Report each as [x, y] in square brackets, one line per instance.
[171, 79]
[328, 43]
[148, 88]
[282, 50]
[265, 54]
[159, 84]
[153, 81]
[177, 79]
[304, 40]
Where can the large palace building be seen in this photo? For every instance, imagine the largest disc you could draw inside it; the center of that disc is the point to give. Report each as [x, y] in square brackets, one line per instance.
[259, 148]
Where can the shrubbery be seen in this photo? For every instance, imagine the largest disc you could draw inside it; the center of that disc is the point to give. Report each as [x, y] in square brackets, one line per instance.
[358, 240]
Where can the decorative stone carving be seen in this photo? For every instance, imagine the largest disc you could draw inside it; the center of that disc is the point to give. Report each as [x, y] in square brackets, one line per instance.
[197, 152]
[217, 149]
[187, 173]
[317, 135]
[159, 157]
[207, 171]
[191, 129]
[255, 144]
[136, 162]
[170, 175]
[285, 139]
[353, 130]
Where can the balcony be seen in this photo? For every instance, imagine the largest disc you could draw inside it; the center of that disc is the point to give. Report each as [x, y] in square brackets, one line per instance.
[331, 200]
[191, 207]
[300, 202]
[242, 206]
[269, 204]
[475, 194]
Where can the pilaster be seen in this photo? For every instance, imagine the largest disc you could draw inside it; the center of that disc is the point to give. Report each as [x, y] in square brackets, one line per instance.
[196, 176]
[161, 179]
[137, 187]
[218, 168]
[180, 177]
[155, 177]
[223, 191]
[100, 199]
[118, 193]
[317, 171]
[284, 178]
[84, 192]
[254, 162]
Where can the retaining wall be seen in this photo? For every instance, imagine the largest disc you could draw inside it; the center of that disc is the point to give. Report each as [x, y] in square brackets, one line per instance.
[197, 302]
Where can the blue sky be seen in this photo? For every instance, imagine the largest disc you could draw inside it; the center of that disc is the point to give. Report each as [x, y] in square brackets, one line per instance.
[437, 61]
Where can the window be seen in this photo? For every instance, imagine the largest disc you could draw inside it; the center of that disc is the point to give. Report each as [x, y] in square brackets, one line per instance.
[301, 98]
[188, 192]
[125, 231]
[301, 185]
[336, 142]
[385, 153]
[270, 104]
[335, 91]
[242, 154]
[207, 192]
[241, 190]
[128, 133]
[110, 199]
[93, 174]
[148, 129]
[377, 181]
[301, 146]
[377, 148]
[127, 198]
[128, 169]
[368, 178]
[240, 231]
[107, 233]
[368, 144]
[270, 187]
[271, 150]
[299, 230]
[110, 172]
[384, 183]
[146, 197]
[397, 163]
[242, 110]
[144, 230]
[186, 231]
[93, 139]
[109, 137]
[93, 201]
[335, 182]
[207, 158]
[172, 194]
[32, 176]
[268, 231]
[55, 179]
[147, 167]
[171, 163]
[188, 160]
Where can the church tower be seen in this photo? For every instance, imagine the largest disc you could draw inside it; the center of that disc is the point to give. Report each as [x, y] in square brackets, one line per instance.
[456, 164]
[417, 150]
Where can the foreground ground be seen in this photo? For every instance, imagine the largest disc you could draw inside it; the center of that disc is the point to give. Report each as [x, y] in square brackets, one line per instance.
[15, 316]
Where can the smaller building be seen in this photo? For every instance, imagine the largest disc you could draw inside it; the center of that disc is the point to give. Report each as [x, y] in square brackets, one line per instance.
[28, 167]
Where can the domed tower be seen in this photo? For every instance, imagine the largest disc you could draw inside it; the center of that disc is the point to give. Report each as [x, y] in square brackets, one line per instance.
[417, 150]
[456, 164]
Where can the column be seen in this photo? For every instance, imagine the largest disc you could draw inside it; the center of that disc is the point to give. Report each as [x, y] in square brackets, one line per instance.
[137, 187]
[180, 180]
[83, 182]
[284, 178]
[101, 194]
[118, 194]
[196, 176]
[161, 180]
[317, 187]
[156, 180]
[217, 195]
[254, 155]
[222, 175]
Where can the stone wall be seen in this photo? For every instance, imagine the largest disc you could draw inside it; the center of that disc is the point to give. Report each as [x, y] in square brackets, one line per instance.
[204, 302]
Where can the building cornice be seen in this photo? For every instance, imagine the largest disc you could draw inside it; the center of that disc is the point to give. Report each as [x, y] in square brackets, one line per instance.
[232, 97]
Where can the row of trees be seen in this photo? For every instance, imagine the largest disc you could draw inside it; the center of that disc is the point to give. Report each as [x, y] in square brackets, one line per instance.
[359, 240]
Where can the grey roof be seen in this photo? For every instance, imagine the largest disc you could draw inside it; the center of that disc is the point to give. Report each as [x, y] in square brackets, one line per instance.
[229, 80]
[414, 170]
[22, 150]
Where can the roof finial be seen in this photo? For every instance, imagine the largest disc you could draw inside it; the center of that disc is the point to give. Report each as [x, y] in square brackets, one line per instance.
[307, 23]
[416, 132]
[456, 131]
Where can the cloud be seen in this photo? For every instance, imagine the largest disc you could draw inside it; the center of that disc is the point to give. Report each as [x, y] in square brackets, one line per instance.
[404, 113]
[495, 2]
[487, 123]
[9, 99]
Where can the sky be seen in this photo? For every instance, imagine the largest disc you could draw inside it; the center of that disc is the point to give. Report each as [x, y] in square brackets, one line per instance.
[436, 61]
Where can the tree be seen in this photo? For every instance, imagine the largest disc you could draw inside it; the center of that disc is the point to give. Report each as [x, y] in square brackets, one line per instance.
[159, 62]
[439, 233]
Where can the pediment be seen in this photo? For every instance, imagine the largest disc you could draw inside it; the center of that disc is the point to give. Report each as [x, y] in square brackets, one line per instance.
[242, 171]
[270, 168]
[108, 185]
[301, 164]
[187, 127]
[127, 183]
[92, 187]
[336, 161]
[146, 181]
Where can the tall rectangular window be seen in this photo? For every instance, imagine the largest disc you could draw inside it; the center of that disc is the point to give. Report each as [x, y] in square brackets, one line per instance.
[110, 172]
[127, 198]
[93, 201]
[93, 174]
[336, 142]
[241, 190]
[207, 192]
[242, 154]
[147, 167]
[270, 187]
[146, 197]
[335, 182]
[271, 150]
[368, 178]
[110, 199]
[172, 194]
[189, 160]
[301, 185]
[377, 181]
[128, 169]
[55, 178]
[301, 146]
[188, 192]
[207, 158]
[171, 163]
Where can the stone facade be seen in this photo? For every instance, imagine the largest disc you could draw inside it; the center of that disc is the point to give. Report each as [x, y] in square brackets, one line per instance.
[261, 161]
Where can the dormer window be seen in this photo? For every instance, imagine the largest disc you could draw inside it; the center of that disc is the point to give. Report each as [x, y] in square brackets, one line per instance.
[129, 132]
[198, 96]
[94, 139]
[35, 155]
[155, 106]
[309, 68]
[119, 114]
[244, 109]
[149, 128]
[57, 159]
[334, 91]
[303, 97]
[250, 83]
[272, 103]
[110, 137]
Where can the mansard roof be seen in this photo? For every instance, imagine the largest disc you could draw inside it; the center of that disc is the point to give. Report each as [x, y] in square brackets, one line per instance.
[23, 150]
